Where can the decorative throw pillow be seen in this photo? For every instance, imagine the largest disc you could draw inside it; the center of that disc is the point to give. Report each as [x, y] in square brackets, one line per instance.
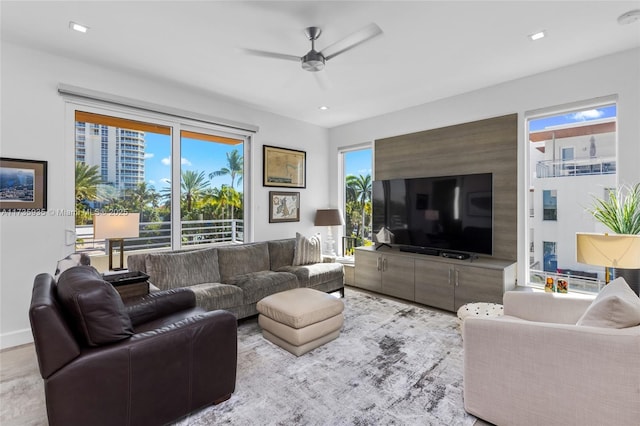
[93, 305]
[616, 306]
[308, 250]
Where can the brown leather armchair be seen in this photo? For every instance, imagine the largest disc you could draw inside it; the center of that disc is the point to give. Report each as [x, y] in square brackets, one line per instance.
[104, 363]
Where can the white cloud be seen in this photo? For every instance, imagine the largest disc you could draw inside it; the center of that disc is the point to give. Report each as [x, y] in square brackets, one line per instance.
[152, 182]
[148, 155]
[167, 161]
[587, 115]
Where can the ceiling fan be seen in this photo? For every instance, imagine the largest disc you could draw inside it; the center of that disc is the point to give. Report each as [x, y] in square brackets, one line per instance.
[314, 60]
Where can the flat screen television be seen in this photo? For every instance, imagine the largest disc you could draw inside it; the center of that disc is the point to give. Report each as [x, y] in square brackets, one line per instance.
[441, 213]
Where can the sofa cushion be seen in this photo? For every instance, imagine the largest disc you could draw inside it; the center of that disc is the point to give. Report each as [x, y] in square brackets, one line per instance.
[308, 250]
[258, 285]
[318, 273]
[183, 269]
[281, 253]
[93, 306]
[242, 259]
[213, 296]
[616, 306]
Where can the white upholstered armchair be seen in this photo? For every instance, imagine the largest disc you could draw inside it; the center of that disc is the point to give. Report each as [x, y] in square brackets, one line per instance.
[535, 366]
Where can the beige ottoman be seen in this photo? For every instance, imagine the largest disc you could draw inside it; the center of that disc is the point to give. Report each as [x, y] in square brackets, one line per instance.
[301, 319]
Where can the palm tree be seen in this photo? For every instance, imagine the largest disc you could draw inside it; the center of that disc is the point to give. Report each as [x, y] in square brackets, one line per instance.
[359, 187]
[191, 186]
[235, 167]
[87, 181]
[141, 196]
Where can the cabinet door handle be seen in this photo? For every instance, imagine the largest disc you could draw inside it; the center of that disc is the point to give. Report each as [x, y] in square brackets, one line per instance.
[378, 263]
[384, 264]
[457, 282]
[449, 275]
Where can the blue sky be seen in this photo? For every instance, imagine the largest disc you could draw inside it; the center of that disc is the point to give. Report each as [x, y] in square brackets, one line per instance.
[358, 162]
[200, 156]
[574, 117]
[208, 156]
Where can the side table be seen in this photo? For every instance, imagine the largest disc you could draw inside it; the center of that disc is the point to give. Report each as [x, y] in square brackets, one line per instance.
[129, 284]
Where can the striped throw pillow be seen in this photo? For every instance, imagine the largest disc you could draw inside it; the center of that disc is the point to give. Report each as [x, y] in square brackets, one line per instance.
[308, 250]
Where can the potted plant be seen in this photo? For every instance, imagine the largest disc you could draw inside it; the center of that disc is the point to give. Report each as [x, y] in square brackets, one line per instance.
[620, 212]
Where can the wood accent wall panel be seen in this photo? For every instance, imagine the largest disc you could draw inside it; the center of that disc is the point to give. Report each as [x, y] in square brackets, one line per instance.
[484, 146]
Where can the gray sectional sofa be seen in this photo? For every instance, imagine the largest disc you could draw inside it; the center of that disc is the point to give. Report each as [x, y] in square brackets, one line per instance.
[236, 277]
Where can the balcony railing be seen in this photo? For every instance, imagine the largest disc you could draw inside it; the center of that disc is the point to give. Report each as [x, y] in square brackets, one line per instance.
[155, 235]
[576, 283]
[578, 167]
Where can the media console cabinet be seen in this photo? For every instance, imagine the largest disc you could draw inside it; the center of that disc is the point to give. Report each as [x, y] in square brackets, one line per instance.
[444, 283]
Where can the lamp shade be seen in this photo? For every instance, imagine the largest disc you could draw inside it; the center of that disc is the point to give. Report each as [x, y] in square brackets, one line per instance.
[328, 217]
[611, 250]
[116, 226]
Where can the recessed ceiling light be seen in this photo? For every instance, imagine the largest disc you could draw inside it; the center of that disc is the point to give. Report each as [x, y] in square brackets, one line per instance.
[323, 108]
[629, 17]
[78, 27]
[537, 36]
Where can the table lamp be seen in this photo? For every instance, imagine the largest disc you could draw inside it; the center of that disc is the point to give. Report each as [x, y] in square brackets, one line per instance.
[329, 218]
[114, 228]
[609, 250]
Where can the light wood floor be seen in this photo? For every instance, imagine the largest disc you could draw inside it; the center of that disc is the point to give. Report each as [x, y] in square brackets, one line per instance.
[18, 408]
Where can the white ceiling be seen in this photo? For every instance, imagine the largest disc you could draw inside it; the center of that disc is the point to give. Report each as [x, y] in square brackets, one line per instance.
[429, 50]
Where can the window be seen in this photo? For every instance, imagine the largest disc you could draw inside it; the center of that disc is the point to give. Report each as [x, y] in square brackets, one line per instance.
[572, 154]
[211, 202]
[125, 165]
[549, 204]
[357, 166]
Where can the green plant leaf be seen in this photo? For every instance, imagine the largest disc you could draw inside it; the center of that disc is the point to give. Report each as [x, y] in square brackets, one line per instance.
[621, 211]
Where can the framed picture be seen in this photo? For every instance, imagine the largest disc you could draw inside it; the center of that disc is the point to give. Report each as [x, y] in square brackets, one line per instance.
[23, 184]
[284, 167]
[284, 207]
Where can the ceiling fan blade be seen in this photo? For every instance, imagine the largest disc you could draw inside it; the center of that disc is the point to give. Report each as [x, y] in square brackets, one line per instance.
[351, 41]
[273, 55]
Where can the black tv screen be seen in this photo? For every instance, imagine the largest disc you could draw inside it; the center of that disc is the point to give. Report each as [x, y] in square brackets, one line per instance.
[444, 213]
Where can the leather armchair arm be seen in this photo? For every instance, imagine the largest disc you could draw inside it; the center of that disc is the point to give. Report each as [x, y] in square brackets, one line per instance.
[160, 304]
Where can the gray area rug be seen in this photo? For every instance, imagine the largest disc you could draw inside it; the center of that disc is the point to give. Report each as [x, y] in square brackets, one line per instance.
[393, 364]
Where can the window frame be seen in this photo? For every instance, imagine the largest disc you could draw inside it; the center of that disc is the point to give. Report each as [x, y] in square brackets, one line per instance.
[177, 125]
[529, 168]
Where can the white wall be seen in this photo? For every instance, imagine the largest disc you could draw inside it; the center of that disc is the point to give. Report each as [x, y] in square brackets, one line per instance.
[33, 127]
[617, 74]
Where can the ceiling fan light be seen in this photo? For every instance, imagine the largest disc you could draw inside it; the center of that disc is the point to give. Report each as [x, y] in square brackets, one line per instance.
[313, 61]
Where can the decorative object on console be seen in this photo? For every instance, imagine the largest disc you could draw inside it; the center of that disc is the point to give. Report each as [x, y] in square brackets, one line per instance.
[329, 218]
[609, 250]
[284, 167]
[23, 185]
[284, 207]
[115, 228]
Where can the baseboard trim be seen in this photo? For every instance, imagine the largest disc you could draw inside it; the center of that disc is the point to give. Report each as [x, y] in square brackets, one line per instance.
[15, 338]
